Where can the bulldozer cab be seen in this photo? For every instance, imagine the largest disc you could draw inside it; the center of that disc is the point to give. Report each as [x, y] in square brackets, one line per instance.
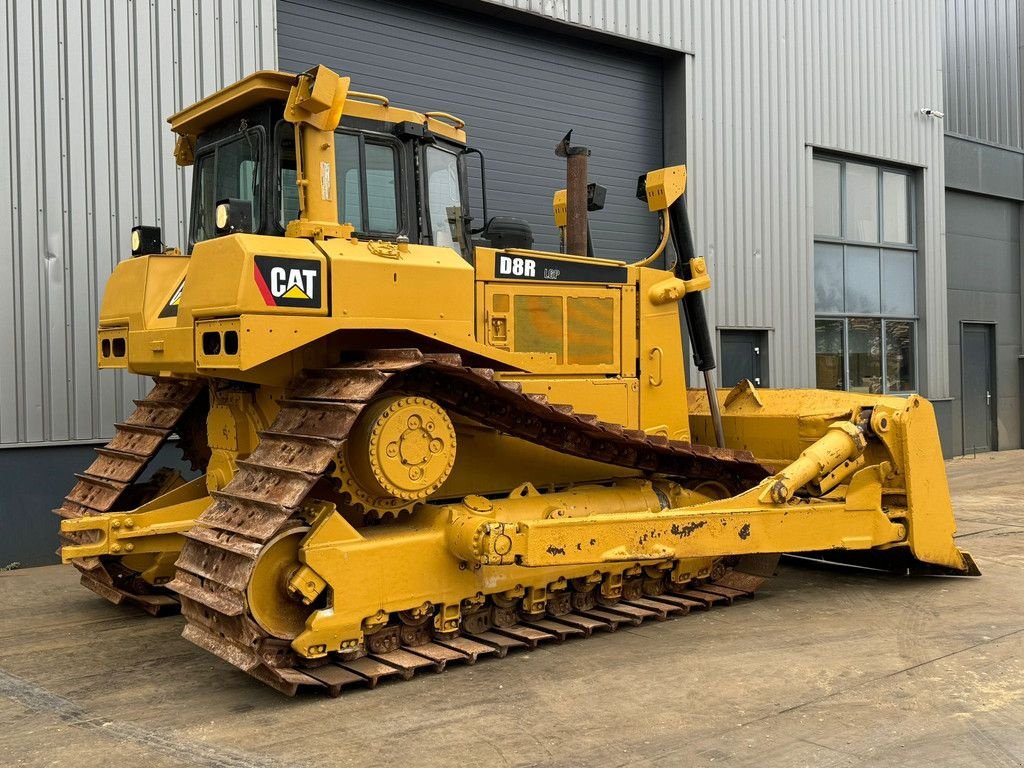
[394, 179]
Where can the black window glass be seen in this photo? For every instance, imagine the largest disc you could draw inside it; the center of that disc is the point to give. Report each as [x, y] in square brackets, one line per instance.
[231, 169]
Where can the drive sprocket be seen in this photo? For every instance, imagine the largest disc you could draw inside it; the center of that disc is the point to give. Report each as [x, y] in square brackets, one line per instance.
[400, 451]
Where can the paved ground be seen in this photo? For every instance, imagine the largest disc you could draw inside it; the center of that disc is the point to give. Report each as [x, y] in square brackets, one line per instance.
[824, 668]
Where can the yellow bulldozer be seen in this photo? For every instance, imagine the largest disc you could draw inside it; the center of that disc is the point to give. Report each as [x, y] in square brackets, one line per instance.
[421, 441]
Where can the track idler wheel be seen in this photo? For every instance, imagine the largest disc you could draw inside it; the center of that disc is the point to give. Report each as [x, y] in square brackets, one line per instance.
[273, 607]
[400, 451]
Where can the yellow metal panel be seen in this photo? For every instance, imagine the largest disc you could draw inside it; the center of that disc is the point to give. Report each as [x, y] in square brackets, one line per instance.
[163, 350]
[663, 408]
[112, 348]
[223, 279]
[576, 327]
[665, 186]
[265, 85]
[218, 343]
[427, 289]
[628, 331]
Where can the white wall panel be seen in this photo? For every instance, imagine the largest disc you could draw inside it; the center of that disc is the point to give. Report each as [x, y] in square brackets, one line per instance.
[85, 153]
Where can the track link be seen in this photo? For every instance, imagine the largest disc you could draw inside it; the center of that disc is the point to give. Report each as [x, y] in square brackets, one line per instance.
[109, 484]
[267, 493]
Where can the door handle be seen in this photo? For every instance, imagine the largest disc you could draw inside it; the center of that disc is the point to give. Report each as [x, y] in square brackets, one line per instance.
[988, 398]
[757, 381]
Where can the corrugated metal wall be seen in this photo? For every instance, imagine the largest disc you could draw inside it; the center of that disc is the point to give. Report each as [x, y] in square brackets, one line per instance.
[85, 154]
[983, 76]
[766, 82]
[656, 22]
[518, 89]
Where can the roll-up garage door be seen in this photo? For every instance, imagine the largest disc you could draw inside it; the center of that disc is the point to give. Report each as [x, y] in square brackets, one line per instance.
[518, 88]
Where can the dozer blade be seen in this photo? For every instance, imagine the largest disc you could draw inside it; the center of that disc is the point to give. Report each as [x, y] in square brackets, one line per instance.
[778, 425]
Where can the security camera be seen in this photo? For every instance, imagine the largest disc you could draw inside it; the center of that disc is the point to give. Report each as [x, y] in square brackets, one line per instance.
[929, 112]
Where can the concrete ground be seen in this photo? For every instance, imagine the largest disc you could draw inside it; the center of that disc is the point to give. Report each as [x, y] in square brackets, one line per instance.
[823, 668]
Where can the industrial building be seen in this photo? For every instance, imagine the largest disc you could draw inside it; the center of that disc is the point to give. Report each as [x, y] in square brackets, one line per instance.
[856, 173]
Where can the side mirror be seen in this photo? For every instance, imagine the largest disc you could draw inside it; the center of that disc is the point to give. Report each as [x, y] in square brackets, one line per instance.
[508, 232]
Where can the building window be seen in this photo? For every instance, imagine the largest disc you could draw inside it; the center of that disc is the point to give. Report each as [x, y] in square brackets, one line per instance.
[865, 277]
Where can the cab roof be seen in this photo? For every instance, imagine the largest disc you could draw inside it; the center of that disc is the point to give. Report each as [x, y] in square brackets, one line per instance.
[270, 85]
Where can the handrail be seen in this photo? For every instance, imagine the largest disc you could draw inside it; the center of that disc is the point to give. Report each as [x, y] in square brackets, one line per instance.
[382, 100]
[457, 122]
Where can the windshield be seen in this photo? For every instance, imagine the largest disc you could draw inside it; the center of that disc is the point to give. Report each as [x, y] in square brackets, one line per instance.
[444, 203]
[229, 169]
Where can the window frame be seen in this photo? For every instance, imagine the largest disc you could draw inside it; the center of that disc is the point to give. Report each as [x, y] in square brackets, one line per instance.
[379, 139]
[463, 195]
[211, 149]
[881, 246]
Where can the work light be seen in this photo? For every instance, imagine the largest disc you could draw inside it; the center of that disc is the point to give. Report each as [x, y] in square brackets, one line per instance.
[146, 240]
[233, 215]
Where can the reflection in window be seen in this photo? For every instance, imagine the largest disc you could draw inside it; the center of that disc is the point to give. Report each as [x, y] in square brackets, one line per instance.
[381, 189]
[899, 355]
[863, 289]
[865, 358]
[444, 203]
[829, 286]
[350, 186]
[829, 354]
[862, 202]
[896, 204]
[898, 282]
[827, 211]
[865, 296]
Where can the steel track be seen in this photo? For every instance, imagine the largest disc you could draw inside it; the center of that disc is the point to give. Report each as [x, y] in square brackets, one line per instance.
[109, 484]
[267, 492]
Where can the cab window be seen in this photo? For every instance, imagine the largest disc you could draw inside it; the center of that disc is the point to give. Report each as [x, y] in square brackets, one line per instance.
[230, 168]
[444, 201]
[367, 169]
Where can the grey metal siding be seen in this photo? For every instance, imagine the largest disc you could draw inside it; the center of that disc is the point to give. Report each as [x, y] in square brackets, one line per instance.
[846, 77]
[983, 246]
[518, 89]
[656, 22]
[766, 83]
[982, 66]
[983, 168]
[84, 155]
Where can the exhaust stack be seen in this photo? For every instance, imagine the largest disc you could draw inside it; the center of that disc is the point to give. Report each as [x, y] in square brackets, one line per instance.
[577, 226]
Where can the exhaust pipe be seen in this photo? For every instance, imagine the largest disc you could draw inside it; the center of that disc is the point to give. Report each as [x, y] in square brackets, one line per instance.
[577, 225]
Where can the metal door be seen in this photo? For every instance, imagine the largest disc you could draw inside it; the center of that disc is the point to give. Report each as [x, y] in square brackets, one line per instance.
[744, 356]
[977, 347]
[518, 88]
